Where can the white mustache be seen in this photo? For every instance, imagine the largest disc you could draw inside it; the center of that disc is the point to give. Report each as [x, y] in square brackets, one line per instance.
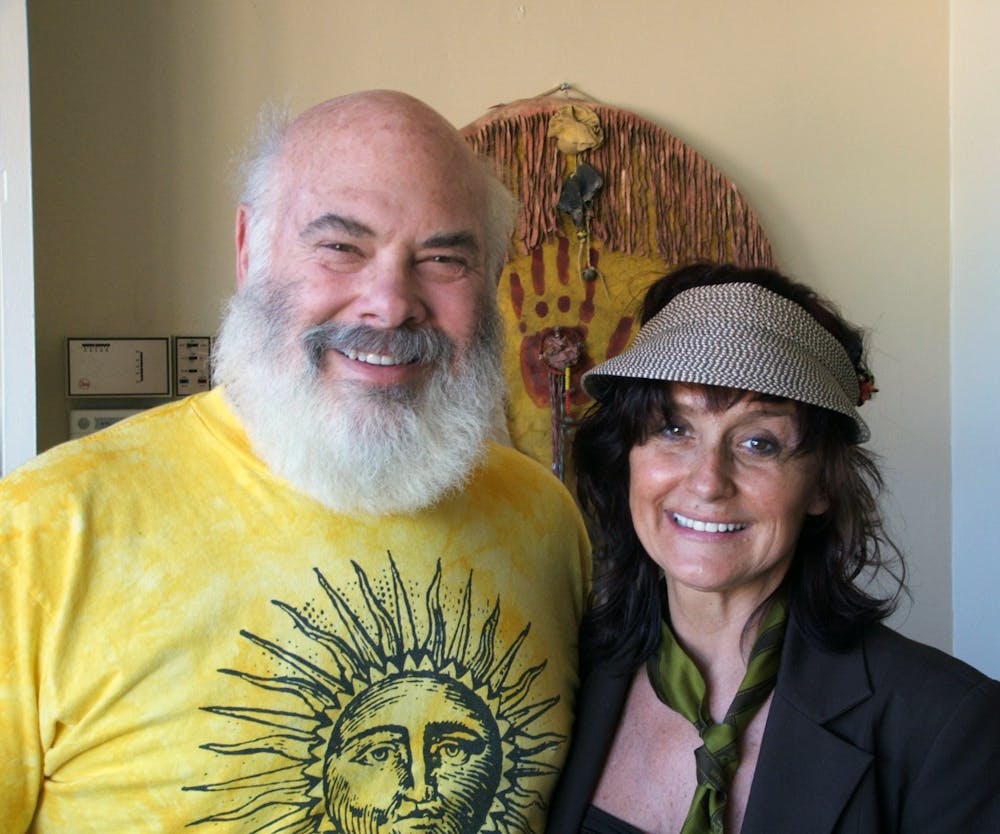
[404, 344]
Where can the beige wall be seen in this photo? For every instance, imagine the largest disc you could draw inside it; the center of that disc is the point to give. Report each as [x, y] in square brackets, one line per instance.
[831, 117]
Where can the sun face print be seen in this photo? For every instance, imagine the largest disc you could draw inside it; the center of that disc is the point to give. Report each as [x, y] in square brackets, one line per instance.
[392, 722]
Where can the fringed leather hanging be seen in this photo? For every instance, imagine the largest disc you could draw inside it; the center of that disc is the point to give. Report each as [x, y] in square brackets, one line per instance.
[661, 197]
[609, 202]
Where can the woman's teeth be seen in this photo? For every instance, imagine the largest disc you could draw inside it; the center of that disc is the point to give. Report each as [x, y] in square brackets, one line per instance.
[707, 526]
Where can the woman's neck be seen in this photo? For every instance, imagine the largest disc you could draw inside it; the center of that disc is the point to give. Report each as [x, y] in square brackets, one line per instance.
[717, 632]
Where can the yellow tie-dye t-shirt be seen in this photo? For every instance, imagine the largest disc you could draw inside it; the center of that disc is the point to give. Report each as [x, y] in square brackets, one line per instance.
[190, 644]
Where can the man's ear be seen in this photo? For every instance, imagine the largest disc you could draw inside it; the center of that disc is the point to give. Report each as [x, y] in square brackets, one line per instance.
[242, 249]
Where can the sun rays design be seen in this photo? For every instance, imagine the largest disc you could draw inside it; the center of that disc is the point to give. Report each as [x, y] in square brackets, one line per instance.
[393, 720]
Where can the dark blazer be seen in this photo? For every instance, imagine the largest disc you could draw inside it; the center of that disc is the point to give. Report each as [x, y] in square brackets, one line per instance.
[890, 736]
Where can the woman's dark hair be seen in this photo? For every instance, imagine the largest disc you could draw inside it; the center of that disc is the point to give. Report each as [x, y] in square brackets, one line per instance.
[838, 554]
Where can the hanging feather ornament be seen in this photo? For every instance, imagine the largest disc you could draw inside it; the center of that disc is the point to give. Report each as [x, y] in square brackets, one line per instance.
[576, 129]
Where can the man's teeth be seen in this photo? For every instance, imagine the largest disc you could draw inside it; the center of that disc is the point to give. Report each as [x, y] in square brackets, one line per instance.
[707, 526]
[372, 358]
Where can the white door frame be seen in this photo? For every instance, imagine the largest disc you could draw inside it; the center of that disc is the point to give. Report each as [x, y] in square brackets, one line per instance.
[18, 435]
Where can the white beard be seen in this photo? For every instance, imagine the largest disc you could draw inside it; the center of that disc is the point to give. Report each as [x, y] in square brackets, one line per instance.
[350, 445]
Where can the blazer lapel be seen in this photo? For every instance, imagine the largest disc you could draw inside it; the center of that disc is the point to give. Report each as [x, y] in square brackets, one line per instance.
[805, 773]
[599, 705]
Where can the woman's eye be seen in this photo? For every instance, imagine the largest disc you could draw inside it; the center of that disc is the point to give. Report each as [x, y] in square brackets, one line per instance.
[761, 446]
[672, 430]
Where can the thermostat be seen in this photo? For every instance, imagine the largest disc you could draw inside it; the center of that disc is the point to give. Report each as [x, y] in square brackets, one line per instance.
[113, 367]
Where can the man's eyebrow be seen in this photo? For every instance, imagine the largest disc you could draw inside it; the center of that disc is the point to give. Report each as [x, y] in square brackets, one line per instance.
[453, 240]
[331, 222]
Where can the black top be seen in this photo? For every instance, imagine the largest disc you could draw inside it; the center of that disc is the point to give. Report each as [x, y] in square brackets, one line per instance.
[597, 821]
[886, 737]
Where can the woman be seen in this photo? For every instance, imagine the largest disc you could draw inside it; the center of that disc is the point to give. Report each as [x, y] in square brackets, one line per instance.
[738, 675]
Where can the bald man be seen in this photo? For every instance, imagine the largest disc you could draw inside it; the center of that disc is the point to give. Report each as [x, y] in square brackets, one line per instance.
[318, 598]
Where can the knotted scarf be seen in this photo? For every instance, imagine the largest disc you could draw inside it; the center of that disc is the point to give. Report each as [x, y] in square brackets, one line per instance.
[678, 684]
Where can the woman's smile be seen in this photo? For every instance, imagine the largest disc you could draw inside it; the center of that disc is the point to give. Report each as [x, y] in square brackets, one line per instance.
[718, 495]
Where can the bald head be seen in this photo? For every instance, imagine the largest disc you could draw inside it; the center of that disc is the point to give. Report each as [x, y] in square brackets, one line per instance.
[381, 116]
[376, 131]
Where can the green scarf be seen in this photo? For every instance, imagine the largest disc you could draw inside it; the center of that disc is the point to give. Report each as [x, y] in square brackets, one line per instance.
[678, 684]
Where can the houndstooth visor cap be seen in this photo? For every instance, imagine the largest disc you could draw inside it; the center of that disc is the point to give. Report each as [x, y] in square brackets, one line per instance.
[744, 336]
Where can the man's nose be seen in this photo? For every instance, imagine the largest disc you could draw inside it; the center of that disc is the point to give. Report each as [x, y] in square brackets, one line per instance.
[391, 296]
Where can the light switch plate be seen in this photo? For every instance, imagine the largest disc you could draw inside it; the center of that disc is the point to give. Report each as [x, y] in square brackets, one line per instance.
[84, 421]
[192, 364]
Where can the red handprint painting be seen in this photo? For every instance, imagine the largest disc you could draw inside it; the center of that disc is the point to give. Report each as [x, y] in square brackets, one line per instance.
[609, 202]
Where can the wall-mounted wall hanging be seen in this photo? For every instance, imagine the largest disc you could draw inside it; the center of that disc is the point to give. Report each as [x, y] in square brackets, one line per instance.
[609, 202]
